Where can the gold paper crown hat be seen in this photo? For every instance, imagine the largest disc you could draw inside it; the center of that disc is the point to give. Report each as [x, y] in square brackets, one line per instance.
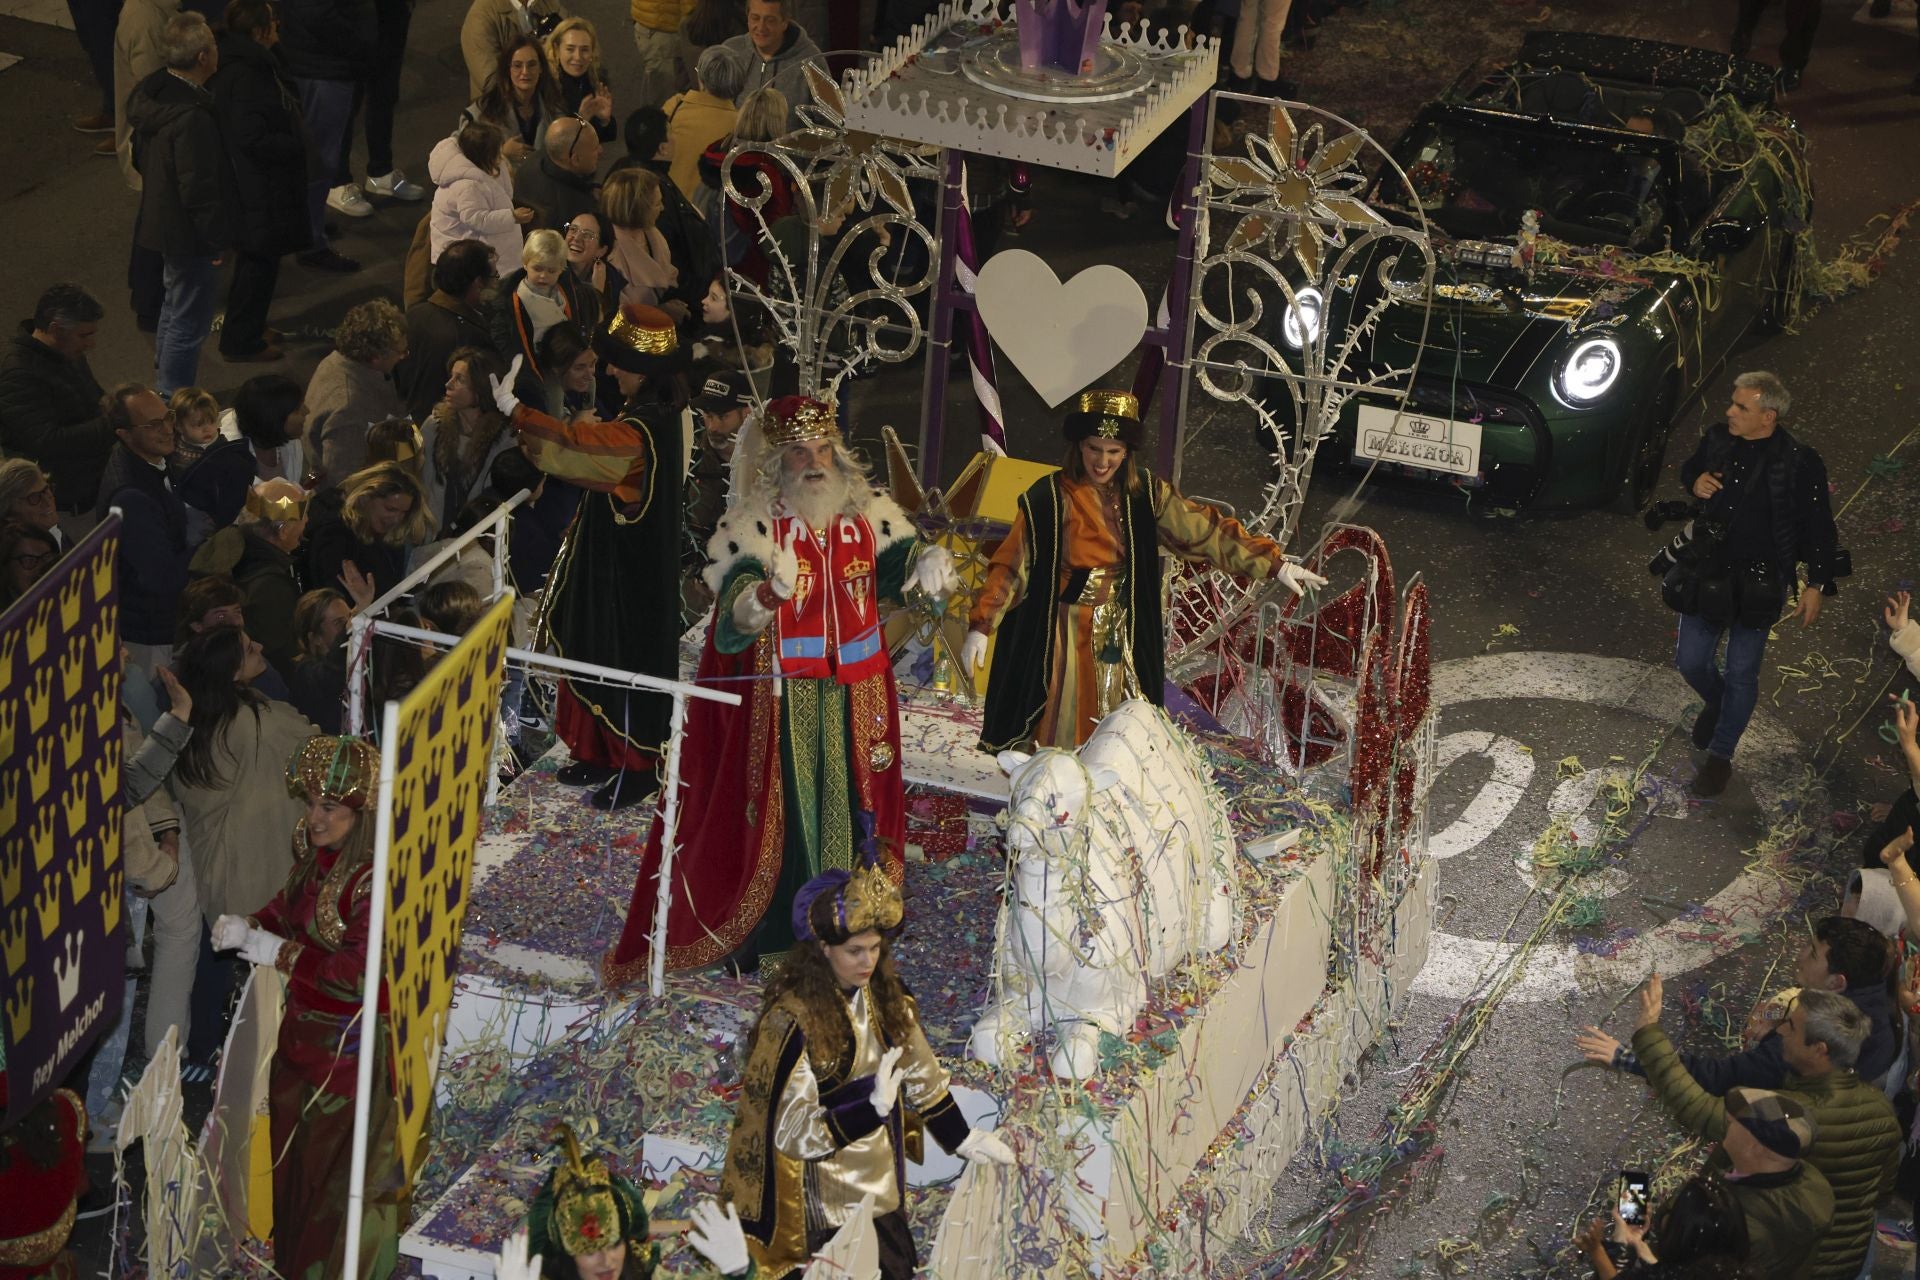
[282, 510]
[798, 420]
[862, 900]
[642, 339]
[344, 770]
[1110, 415]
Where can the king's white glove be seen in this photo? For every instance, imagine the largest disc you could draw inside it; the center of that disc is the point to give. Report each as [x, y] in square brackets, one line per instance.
[230, 933]
[514, 1263]
[984, 1146]
[261, 947]
[783, 568]
[1299, 578]
[973, 653]
[717, 1235]
[886, 1083]
[934, 573]
[503, 395]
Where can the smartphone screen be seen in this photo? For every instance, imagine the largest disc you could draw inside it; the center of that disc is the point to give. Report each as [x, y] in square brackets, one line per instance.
[1633, 1197]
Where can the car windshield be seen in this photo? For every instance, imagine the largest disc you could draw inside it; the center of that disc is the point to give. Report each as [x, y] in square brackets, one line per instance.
[1475, 179]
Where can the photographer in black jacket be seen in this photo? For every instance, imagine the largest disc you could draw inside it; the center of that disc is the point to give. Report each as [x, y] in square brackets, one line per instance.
[1764, 512]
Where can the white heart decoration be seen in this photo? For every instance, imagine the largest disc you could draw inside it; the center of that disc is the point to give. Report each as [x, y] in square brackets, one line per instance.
[1059, 336]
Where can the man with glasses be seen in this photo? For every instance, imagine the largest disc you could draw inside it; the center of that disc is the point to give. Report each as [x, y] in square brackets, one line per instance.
[564, 181]
[153, 531]
[50, 401]
[26, 497]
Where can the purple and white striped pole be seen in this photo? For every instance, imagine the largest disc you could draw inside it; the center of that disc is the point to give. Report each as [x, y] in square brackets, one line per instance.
[986, 392]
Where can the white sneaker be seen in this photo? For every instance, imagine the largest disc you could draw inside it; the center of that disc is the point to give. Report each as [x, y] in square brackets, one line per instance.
[349, 201]
[395, 187]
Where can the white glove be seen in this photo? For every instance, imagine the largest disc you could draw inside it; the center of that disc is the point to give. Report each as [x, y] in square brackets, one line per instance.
[934, 573]
[514, 1263]
[984, 1146]
[716, 1234]
[973, 653]
[261, 947]
[886, 1083]
[230, 933]
[1299, 578]
[783, 569]
[503, 387]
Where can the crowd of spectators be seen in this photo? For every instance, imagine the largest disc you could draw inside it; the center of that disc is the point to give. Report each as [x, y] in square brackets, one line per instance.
[252, 532]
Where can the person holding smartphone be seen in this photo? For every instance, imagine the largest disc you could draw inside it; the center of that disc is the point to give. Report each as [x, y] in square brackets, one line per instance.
[1699, 1221]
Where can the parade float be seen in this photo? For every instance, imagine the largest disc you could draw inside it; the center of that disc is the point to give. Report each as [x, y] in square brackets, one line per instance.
[1159, 1000]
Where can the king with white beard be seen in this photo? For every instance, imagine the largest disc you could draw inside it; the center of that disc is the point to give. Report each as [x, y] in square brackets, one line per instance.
[806, 771]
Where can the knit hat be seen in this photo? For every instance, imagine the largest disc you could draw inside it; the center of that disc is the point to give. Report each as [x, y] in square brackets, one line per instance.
[1778, 1122]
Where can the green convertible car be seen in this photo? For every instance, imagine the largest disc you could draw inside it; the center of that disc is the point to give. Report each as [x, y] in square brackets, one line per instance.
[1609, 216]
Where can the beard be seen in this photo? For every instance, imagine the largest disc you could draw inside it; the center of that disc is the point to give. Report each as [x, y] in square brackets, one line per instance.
[815, 496]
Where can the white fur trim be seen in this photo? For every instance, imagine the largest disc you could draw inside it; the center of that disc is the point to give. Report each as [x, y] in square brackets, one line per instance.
[744, 534]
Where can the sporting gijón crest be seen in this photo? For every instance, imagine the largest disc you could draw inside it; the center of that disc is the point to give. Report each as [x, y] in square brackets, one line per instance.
[831, 634]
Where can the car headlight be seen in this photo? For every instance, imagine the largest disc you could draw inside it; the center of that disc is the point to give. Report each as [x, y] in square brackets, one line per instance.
[1301, 324]
[1589, 372]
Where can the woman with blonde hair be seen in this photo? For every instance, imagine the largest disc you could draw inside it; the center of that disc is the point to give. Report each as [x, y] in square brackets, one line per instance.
[573, 51]
[362, 530]
[632, 200]
[762, 118]
[353, 388]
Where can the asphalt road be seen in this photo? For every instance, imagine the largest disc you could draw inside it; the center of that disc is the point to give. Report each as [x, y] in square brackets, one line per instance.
[1521, 1147]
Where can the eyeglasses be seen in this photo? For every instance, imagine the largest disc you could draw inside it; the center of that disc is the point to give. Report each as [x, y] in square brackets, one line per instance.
[39, 497]
[584, 228]
[31, 559]
[164, 420]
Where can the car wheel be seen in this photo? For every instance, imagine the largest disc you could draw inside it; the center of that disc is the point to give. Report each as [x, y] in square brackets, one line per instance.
[1778, 310]
[1649, 454]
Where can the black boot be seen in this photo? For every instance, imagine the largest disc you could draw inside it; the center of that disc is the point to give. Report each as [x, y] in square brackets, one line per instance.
[623, 791]
[582, 774]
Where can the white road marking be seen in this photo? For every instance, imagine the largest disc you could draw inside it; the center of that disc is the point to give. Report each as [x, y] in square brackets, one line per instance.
[1770, 760]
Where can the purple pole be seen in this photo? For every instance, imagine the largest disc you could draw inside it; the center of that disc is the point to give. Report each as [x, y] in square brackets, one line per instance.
[1180, 322]
[993, 432]
[933, 395]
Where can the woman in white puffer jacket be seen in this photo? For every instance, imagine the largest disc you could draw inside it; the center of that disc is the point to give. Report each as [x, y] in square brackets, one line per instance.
[473, 199]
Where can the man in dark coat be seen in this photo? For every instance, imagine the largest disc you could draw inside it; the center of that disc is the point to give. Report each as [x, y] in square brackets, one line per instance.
[1769, 493]
[186, 192]
[328, 47]
[259, 113]
[691, 243]
[50, 401]
[153, 531]
[563, 179]
[454, 316]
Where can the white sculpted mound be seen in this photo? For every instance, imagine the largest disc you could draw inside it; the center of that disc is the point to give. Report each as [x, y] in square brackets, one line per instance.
[1123, 866]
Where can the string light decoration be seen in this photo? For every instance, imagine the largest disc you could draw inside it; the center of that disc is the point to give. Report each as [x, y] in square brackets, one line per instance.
[1284, 297]
[864, 184]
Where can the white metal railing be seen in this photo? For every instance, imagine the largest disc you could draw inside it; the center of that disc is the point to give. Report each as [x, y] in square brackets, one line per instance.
[359, 635]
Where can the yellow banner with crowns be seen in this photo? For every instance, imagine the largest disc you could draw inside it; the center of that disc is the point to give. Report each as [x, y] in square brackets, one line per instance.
[442, 753]
[61, 882]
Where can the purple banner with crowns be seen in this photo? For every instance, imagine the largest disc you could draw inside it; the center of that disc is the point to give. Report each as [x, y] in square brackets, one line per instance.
[61, 881]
